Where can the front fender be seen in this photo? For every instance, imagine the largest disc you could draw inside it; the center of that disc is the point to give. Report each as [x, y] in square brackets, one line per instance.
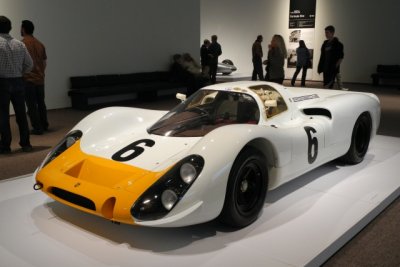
[219, 149]
[110, 123]
[121, 117]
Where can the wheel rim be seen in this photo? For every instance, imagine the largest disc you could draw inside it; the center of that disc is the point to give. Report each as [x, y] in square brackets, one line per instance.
[248, 188]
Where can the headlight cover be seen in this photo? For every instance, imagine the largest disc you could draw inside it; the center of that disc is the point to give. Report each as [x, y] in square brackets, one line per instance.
[65, 143]
[163, 195]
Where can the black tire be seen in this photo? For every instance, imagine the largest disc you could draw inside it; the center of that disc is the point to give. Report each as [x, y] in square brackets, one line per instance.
[246, 189]
[359, 140]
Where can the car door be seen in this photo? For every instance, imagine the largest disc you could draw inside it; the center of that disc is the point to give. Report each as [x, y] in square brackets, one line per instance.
[308, 145]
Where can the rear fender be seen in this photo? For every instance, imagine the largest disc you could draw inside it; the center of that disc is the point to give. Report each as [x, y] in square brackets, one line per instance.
[345, 109]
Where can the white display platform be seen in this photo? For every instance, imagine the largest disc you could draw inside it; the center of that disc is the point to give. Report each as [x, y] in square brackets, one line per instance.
[303, 223]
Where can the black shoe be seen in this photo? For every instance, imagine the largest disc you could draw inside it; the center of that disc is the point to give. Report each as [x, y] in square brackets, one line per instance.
[36, 132]
[5, 151]
[27, 149]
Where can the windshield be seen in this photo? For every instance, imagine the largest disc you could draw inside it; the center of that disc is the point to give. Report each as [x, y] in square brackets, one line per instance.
[205, 111]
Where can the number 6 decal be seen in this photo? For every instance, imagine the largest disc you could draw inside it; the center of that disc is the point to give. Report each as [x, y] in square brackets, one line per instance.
[133, 149]
[312, 144]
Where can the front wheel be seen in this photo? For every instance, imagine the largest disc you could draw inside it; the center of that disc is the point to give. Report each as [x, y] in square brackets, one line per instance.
[246, 189]
[359, 140]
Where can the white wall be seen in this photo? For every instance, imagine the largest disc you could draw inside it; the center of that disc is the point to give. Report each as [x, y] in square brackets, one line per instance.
[104, 37]
[368, 29]
[121, 36]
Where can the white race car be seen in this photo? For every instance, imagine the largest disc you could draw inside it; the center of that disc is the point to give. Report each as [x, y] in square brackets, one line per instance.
[226, 67]
[215, 155]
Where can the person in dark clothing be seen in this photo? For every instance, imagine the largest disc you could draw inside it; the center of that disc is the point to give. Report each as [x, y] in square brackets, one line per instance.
[177, 71]
[331, 57]
[14, 62]
[215, 51]
[183, 70]
[257, 54]
[197, 79]
[205, 58]
[276, 60]
[303, 61]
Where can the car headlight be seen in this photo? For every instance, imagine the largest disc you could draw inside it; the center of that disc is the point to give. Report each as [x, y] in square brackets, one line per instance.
[168, 199]
[164, 194]
[188, 172]
[65, 143]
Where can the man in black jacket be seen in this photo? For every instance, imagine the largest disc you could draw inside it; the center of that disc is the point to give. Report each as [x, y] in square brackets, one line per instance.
[215, 51]
[331, 57]
[205, 58]
[257, 54]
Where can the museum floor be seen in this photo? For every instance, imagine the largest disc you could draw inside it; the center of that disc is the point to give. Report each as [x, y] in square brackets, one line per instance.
[377, 244]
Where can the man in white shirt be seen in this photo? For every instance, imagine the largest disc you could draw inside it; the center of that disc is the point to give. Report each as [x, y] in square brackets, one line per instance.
[14, 62]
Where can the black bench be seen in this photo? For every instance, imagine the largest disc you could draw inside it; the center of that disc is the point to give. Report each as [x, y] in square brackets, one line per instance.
[386, 72]
[95, 90]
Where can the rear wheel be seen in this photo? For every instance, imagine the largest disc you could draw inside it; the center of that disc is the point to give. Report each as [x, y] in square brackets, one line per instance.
[246, 189]
[359, 140]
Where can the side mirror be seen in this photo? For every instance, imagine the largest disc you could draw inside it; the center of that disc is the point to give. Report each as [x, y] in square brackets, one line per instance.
[181, 97]
[270, 103]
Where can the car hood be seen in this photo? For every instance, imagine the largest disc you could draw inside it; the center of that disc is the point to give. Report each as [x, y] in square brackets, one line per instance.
[139, 149]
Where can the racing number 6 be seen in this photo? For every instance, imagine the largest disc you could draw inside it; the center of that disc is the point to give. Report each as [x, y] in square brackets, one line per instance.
[312, 144]
[133, 149]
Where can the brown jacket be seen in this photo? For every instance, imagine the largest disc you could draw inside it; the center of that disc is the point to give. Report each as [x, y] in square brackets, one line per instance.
[38, 53]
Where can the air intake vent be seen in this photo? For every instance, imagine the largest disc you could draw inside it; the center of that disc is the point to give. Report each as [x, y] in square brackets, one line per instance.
[317, 112]
[73, 198]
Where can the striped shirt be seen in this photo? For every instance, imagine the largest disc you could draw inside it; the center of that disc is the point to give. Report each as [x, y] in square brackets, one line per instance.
[14, 57]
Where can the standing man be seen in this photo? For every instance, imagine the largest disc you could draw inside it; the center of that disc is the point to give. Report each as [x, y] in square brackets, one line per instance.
[14, 62]
[205, 58]
[331, 57]
[257, 53]
[34, 80]
[215, 51]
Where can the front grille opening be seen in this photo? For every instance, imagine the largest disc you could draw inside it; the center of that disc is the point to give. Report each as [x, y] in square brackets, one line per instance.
[73, 198]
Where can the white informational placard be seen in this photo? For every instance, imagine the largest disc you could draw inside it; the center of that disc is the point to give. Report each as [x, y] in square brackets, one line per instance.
[301, 27]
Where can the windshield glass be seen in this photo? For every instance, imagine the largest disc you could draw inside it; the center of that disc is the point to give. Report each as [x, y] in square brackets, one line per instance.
[205, 111]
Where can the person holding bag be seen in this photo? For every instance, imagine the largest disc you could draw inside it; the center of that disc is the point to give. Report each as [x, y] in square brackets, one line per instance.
[303, 63]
